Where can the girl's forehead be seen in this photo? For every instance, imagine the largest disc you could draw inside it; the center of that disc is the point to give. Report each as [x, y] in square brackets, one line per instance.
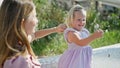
[79, 14]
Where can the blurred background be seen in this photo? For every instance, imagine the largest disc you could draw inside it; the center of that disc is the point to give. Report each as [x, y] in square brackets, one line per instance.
[104, 14]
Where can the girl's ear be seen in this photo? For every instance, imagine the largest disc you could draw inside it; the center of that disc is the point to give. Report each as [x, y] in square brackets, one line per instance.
[22, 22]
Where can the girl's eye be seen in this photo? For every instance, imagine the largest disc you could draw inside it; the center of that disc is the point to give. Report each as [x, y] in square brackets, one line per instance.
[81, 19]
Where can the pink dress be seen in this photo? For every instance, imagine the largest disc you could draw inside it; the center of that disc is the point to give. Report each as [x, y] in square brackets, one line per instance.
[76, 56]
[21, 62]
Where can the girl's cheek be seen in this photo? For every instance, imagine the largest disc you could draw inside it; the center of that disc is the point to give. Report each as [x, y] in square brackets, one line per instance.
[34, 21]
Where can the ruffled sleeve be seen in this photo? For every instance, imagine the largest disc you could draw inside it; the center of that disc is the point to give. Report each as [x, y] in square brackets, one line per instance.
[66, 33]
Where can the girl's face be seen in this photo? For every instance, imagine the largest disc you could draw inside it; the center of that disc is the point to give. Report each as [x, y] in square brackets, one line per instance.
[79, 20]
[31, 23]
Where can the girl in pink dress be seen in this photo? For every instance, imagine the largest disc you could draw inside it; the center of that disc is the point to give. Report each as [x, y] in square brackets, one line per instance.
[79, 52]
[17, 29]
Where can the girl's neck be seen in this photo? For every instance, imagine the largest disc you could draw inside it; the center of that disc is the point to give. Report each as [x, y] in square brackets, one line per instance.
[76, 29]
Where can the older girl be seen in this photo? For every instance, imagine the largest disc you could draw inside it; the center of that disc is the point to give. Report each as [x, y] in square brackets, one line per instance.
[17, 30]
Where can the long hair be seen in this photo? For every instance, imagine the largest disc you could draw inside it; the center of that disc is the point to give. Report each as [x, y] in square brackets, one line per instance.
[13, 38]
[70, 15]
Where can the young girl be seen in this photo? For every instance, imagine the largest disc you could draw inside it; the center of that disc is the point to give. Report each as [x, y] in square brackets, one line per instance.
[78, 54]
[17, 30]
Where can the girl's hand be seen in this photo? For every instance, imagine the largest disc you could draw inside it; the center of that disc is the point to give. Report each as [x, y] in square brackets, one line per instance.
[99, 33]
[60, 28]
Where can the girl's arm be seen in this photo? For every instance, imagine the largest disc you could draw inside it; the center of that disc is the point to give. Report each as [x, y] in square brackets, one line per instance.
[73, 37]
[45, 32]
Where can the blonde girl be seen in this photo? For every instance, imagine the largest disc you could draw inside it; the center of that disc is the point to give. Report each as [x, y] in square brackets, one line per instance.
[79, 52]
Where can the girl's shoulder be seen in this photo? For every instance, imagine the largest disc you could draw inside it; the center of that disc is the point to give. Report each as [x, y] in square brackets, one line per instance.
[20, 62]
[16, 62]
[68, 30]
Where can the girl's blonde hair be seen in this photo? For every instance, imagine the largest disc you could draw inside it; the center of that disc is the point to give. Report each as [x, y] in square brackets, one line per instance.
[71, 16]
[13, 38]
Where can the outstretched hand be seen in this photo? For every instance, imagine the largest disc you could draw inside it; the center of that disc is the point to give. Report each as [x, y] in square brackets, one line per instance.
[60, 28]
[99, 33]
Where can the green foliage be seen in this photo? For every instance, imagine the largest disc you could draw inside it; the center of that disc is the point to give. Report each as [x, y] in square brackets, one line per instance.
[56, 46]
[91, 20]
[111, 22]
[49, 15]
[114, 22]
[109, 38]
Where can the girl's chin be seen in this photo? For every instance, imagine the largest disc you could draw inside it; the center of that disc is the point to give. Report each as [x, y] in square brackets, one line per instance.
[80, 28]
